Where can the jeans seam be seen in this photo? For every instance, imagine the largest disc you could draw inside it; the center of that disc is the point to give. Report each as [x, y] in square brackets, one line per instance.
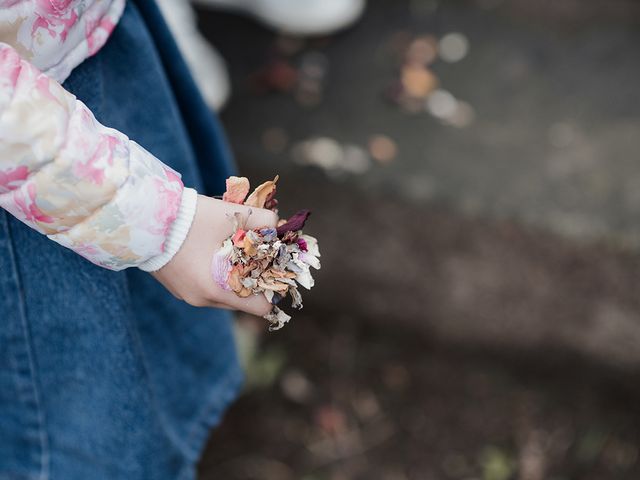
[44, 441]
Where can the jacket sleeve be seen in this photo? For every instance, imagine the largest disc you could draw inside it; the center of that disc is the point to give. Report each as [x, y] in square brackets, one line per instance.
[85, 186]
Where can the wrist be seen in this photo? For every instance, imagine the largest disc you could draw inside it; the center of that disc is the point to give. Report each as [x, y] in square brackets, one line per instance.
[177, 232]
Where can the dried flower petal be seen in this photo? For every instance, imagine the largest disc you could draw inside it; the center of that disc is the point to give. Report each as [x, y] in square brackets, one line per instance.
[272, 262]
[271, 203]
[305, 279]
[296, 298]
[221, 265]
[277, 318]
[312, 245]
[310, 260]
[237, 190]
[249, 247]
[235, 279]
[262, 193]
[238, 237]
[268, 294]
[295, 223]
[269, 234]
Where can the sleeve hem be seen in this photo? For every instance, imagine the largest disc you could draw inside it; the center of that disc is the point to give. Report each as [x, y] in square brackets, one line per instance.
[177, 232]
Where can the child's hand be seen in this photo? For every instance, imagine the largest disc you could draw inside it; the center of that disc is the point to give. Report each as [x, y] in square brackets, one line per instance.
[188, 274]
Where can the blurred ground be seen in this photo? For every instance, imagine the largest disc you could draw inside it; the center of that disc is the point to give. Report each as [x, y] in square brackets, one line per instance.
[357, 402]
[477, 314]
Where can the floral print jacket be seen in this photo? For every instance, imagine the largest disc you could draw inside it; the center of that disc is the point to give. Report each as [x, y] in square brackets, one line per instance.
[84, 185]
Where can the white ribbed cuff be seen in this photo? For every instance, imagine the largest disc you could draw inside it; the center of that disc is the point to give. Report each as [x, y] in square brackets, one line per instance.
[177, 232]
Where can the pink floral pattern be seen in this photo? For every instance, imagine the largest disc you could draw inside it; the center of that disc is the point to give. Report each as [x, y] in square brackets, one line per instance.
[57, 35]
[86, 186]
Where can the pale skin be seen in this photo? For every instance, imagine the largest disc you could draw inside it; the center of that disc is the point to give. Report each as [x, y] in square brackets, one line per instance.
[188, 275]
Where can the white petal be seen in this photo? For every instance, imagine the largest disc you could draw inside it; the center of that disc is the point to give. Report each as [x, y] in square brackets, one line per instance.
[312, 245]
[305, 279]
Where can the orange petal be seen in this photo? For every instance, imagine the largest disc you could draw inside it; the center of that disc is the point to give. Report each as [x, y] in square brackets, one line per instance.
[234, 280]
[249, 247]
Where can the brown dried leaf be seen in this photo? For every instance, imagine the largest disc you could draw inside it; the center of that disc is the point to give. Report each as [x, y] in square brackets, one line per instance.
[262, 193]
[271, 285]
[283, 274]
[234, 280]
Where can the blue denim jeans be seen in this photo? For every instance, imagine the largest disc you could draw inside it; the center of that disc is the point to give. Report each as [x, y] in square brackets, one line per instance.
[104, 375]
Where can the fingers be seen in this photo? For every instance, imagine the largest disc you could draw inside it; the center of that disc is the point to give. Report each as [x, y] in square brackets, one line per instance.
[256, 305]
[260, 217]
[220, 305]
[253, 304]
[256, 217]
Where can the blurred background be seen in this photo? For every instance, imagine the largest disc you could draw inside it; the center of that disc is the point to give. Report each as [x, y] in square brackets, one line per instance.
[472, 167]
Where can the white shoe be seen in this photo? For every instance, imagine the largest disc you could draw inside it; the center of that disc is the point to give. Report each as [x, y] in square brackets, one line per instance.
[297, 17]
[207, 66]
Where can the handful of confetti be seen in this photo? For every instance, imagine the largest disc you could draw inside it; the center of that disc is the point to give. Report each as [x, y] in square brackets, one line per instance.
[266, 261]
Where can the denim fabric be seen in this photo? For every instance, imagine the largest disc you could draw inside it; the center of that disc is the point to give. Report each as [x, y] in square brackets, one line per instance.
[104, 375]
